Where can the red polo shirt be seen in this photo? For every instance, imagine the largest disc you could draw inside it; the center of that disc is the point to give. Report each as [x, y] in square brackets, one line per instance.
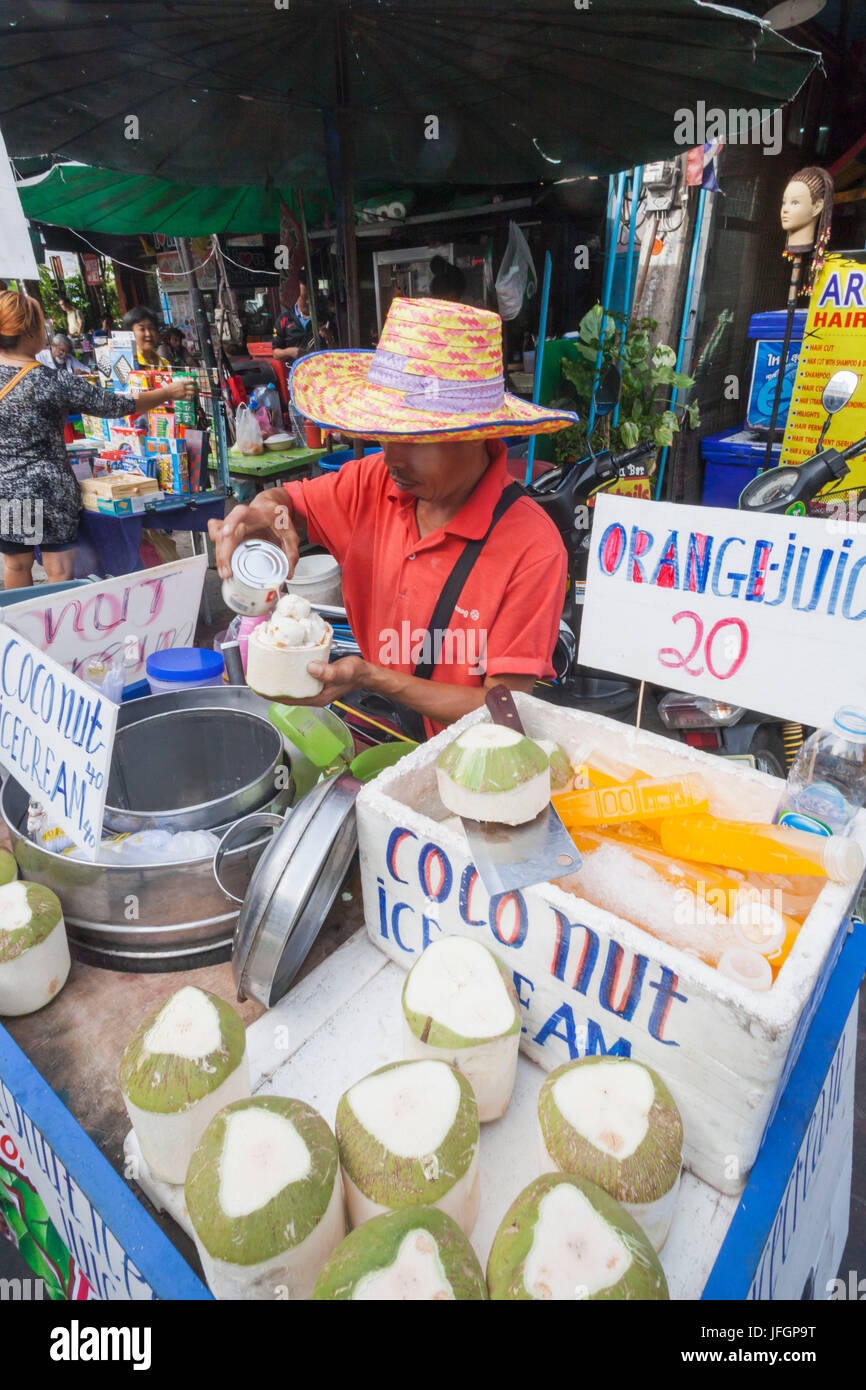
[507, 616]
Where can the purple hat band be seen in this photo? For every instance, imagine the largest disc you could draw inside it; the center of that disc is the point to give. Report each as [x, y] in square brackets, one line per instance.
[435, 393]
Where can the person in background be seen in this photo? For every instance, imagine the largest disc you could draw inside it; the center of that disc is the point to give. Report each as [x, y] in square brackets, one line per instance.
[448, 281]
[60, 356]
[173, 347]
[293, 334]
[106, 324]
[39, 494]
[143, 323]
[74, 319]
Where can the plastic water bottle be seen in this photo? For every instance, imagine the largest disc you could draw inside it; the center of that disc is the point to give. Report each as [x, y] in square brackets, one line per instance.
[827, 785]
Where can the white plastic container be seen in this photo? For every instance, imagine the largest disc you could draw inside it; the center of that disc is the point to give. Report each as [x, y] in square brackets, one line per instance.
[317, 579]
[183, 668]
[591, 982]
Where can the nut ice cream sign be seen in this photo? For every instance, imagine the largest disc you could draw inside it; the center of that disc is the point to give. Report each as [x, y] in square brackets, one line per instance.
[752, 610]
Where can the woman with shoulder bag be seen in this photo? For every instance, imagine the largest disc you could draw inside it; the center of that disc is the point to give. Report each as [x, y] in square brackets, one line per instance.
[39, 494]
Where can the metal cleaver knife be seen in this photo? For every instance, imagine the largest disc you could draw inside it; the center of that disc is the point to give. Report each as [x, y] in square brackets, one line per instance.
[516, 856]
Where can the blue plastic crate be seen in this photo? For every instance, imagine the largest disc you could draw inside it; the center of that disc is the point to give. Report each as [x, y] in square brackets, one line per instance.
[731, 459]
[768, 332]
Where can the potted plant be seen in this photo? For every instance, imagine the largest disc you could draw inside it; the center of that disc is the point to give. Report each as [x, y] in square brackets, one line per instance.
[649, 380]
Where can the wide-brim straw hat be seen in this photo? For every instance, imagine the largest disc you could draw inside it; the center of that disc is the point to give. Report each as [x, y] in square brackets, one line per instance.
[436, 374]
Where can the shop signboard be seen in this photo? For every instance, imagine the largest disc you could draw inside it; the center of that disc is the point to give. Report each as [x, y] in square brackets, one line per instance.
[833, 341]
[749, 609]
[126, 617]
[92, 274]
[56, 738]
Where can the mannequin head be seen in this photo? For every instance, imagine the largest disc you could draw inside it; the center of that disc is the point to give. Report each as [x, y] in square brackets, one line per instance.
[807, 206]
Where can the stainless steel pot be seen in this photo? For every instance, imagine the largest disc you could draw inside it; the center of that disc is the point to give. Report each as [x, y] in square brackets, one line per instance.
[149, 917]
[191, 768]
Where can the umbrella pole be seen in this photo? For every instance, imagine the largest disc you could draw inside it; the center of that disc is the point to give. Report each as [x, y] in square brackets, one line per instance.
[308, 262]
[539, 359]
[202, 328]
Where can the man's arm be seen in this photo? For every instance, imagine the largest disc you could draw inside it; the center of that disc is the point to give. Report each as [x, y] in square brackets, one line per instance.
[436, 700]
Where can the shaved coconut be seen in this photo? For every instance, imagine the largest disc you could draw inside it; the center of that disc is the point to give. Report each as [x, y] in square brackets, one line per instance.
[264, 1197]
[460, 1006]
[417, 1254]
[489, 773]
[8, 867]
[34, 952]
[614, 1121]
[185, 1061]
[408, 1136]
[561, 770]
[564, 1238]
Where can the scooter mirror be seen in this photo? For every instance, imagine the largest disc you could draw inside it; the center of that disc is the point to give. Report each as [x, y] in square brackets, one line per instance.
[607, 391]
[838, 391]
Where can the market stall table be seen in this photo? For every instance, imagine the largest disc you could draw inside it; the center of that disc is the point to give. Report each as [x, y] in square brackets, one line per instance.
[268, 468]
[342, 1019]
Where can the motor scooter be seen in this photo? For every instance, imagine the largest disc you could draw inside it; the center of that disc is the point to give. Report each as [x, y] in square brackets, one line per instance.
[731, 729]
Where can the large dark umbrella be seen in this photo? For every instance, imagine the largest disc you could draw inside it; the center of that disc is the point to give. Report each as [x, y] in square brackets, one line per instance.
[233, 91]
[276, 92]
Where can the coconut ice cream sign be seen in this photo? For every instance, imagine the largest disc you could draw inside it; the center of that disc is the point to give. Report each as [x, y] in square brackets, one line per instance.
[56, 738]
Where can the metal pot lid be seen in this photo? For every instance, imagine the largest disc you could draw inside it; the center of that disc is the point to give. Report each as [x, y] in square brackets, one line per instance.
[293, 886]
[260, 564]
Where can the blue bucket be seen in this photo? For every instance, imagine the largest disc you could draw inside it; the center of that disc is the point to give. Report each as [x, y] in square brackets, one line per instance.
[332, 463]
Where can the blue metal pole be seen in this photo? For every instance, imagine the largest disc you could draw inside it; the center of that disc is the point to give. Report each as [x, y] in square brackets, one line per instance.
[539, 358]
[627, 305]
[610, 258]
[699, 218]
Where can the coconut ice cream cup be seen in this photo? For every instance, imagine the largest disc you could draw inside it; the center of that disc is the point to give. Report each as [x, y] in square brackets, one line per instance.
[417, 1255]
[184, 1062]
[281, 649]
[34, 951]
[565, 1239]
[614, 1122]
[460, 1006]
[8, 867]
[265, 1200]
[408, 1136]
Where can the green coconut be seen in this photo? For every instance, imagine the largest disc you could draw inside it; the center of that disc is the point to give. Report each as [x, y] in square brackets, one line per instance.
[561, 770]
[418, 1254]
[8, 867]
[460, 1006]
[614, 1121]
[261, 1180]
[29, 913]
[408, 1136]
[34, 952]
[165, 1077]
[564, 1238]
[490, 773]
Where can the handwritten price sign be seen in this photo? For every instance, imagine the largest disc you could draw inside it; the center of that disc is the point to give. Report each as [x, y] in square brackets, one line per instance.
[56, 738]
[762, 611]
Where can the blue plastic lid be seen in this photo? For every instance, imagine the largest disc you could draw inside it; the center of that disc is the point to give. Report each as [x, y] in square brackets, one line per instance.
[771, 324]
[185, 664]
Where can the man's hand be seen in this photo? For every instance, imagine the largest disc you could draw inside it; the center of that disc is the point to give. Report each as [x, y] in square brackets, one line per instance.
[282, 354]
[269, 516]
[339, 677]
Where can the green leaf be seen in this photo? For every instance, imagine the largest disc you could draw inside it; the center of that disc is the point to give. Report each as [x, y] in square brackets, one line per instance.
[629, 433]
[663, 436]
[693, 412]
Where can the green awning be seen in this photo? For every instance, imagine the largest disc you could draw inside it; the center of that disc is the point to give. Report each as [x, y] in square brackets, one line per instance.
[102, 200]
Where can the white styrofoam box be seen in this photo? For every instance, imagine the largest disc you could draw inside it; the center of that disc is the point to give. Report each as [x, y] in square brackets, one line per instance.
[589, 981]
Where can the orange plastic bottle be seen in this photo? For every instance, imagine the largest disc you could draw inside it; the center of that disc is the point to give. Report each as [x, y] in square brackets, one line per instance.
[651, 799]
[761, 848]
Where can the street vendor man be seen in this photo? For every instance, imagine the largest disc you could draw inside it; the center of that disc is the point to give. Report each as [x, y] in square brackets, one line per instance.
[453, 578]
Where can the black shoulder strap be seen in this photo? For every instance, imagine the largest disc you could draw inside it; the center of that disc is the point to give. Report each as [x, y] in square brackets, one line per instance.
[453, 586]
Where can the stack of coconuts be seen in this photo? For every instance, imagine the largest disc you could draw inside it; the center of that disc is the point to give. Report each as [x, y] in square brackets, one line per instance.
[268, 1186]
[34, 951]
